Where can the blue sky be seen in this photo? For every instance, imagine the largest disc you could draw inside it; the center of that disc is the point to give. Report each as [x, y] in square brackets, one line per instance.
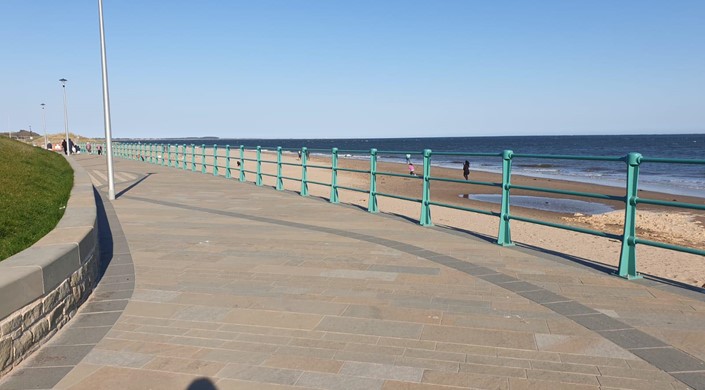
[349, 69]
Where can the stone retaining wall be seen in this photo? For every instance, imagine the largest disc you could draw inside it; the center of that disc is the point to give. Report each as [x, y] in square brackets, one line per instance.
[42, 287]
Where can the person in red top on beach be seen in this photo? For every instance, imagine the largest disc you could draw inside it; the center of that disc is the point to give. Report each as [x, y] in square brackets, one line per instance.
[411, 169]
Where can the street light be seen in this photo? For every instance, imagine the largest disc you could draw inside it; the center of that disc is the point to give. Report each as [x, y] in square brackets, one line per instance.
[44, 119]
[106, 105]
[66, 117]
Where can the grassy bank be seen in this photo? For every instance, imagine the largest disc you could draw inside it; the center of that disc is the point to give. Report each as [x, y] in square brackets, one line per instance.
[35, 185]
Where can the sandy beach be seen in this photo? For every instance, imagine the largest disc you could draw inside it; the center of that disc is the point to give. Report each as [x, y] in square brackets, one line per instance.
[656, 223]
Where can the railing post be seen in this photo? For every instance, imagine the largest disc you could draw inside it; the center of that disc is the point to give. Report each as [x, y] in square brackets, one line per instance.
[304, 172]
[227, 161]
[215, 160]
[203, 158]
[280, 181]
[183, 158]
[372, 202]
[504, 237]
[162, 156]
[176, 159]
[258, 179]
[168, 147]
[193, 158]
[425, 219]
[627, 260]
[242, 163]
[334, 176]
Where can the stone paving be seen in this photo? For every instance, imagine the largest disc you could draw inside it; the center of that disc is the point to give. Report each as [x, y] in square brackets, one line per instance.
[216, 284]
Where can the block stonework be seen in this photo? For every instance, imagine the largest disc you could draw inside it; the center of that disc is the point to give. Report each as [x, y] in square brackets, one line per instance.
[20, 336]
[49, 280]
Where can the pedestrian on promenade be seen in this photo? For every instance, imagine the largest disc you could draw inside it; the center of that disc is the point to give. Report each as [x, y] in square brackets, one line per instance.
[466, 169]
[88, 147]
[63, 146]
[100, 149]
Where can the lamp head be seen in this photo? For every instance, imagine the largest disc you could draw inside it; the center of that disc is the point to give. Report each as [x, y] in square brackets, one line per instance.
[63, 82]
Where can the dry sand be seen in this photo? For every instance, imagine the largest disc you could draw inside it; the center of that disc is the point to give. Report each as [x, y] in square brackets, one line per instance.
[656, 223]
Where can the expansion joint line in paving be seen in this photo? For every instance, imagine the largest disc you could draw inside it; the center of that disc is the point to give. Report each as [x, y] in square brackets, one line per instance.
[674, 361]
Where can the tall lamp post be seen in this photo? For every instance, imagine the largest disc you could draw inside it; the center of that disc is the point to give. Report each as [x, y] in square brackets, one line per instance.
[44, 120]
[106, 105]
[66, 117]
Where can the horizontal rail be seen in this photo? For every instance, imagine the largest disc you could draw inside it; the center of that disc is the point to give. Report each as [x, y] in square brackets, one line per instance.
[317, 166]
[452, 206]
[671, 204]
[567, 157]
[566, 192]
[351, 189]
[671, 160]
[398, 197]
[482, 183]
[567, 227]
[664, 245]
[469, 154]
[352, 170]
[318, 182]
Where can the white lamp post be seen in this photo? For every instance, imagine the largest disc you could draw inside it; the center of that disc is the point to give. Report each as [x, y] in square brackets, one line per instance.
[66, 117]
[106, 105]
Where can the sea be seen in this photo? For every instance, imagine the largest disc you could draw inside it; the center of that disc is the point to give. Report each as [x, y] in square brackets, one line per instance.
[682, 179]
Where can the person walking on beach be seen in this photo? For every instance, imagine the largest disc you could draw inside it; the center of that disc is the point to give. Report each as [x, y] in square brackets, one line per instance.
[411, 169]
[466, 169]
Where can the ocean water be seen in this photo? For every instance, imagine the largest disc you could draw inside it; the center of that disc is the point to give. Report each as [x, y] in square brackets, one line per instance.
[684, 179]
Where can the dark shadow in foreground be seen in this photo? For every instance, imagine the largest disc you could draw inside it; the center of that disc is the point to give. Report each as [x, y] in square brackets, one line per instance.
[105, 235]
[202, 384]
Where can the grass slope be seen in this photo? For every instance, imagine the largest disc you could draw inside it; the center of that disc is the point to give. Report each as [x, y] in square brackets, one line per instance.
[35, 185]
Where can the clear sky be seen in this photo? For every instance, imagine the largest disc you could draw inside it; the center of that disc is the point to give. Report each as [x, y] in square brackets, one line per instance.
[356, 68]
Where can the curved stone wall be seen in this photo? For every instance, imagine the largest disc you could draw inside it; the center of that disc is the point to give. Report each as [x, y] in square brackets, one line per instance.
[42, 286]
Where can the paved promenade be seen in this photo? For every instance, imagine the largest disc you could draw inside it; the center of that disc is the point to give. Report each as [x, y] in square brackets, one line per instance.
[216, 284]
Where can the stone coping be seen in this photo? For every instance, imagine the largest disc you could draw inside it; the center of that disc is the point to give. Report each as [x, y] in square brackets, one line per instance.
[29, 276]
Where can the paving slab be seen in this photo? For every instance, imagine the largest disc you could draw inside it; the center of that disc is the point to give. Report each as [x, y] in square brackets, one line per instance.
[246, 287]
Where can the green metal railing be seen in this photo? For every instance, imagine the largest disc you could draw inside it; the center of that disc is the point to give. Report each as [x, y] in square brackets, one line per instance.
[170, 155]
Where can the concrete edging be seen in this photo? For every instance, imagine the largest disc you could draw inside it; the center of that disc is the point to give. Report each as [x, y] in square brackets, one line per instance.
[42, 286]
